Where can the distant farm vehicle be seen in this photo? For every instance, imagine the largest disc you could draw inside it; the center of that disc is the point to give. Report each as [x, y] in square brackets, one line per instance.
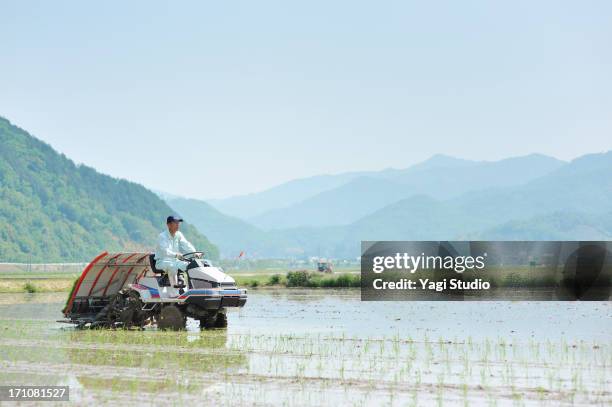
[126, 290]
[324, 266]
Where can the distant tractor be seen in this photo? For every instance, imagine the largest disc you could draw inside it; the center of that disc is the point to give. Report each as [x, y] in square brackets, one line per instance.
[324, 266]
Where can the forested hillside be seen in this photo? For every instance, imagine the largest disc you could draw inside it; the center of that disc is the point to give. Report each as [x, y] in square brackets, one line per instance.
[53, 210]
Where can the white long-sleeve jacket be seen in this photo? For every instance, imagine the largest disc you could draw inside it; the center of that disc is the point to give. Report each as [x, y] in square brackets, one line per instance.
[168, 247]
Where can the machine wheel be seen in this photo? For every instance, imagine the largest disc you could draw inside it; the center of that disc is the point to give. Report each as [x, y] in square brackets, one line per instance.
[101, 317]
[208, 321]
[221, 321]
[112, 312]
[125, 310]
[136, 316]
[171, 318]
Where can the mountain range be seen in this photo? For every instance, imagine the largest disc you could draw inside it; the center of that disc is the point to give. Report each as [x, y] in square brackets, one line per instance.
[440, 177]
[534, 197]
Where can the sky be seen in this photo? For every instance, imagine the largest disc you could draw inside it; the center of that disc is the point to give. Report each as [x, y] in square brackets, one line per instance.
[213, 99]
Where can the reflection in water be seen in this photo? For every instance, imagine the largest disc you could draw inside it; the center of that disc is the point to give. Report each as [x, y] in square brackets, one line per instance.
[151, 355]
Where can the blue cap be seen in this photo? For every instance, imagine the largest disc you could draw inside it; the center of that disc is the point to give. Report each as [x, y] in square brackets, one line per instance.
[173, 218]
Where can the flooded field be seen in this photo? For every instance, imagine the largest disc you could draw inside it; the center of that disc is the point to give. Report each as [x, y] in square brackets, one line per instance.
[323, 347]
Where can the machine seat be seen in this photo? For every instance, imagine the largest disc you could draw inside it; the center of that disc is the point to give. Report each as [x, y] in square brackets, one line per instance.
[153, 268]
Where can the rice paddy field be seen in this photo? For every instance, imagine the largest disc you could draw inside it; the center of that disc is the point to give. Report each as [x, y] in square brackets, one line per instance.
[316, 347]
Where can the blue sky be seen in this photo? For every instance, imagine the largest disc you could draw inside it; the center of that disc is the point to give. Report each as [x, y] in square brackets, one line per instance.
[210, 99]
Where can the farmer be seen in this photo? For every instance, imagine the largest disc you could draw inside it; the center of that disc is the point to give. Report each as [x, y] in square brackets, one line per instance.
[171, 245]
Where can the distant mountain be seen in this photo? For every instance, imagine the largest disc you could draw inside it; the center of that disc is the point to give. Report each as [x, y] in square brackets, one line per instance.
[584, 185]
[439, 161]
[247, 206]
[53, 210]
[339, 206]
[563, 225]
[447, 181]
[572, 202]
[440, 177]
[290, 193]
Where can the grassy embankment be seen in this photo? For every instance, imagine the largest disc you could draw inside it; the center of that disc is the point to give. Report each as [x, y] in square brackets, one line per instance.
[302, 278]
[21, 282]
[502, 277]
[62, 282]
